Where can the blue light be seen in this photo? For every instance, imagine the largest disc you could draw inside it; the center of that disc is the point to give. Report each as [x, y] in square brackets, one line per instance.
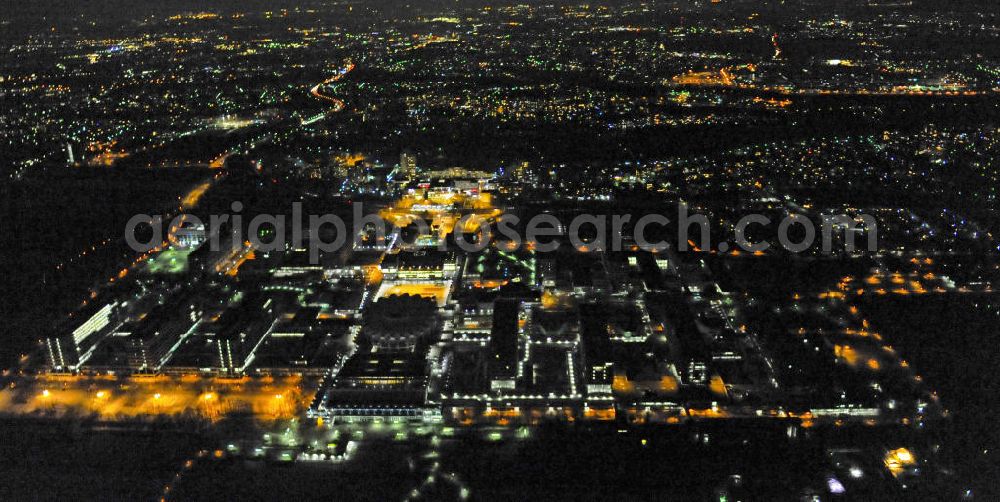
[835, 486]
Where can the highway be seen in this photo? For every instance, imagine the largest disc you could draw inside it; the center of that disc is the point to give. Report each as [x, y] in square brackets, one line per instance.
[338, 104]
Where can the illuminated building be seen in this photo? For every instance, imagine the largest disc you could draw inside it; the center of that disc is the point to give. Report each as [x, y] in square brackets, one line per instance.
[473, 322]
[408, 165]
[503, 345]
[75, 341]
[598, 359]
[399, 321]
[244, 328]
[429, 265]
[190, 235]
[221, 259]
[385, 384]
[158, 333]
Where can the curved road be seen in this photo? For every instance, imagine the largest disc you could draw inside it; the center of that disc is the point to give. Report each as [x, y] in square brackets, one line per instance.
[338, 105]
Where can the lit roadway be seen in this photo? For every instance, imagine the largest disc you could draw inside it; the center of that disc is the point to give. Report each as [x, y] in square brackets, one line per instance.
[725, 78]
[338, 105]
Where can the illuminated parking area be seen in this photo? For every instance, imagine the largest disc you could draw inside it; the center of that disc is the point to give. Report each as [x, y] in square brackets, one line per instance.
[189, 396]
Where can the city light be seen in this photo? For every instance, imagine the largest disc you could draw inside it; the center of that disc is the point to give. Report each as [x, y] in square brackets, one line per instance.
[430, 251]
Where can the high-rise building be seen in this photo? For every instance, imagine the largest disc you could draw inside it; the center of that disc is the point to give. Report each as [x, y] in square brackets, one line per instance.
[408, 165]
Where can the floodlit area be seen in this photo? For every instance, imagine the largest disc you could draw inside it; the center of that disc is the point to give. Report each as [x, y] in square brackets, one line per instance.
[160, 396]
[191, 199]
[443, 209]
[170, 261]
[439, 292]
